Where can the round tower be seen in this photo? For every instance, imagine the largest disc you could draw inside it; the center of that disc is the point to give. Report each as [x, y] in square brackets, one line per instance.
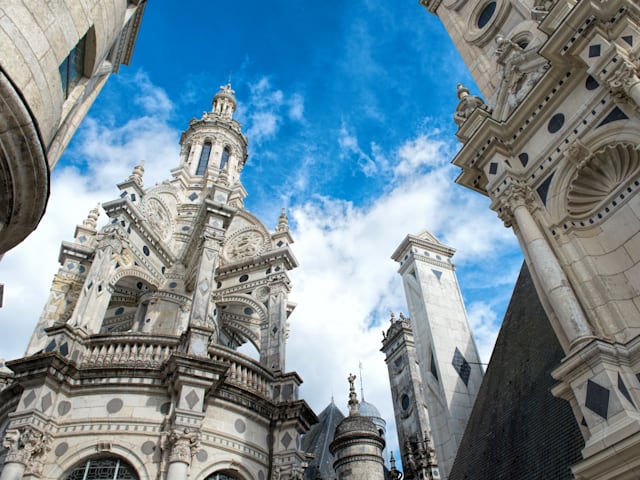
[357, 445]
[213, 148]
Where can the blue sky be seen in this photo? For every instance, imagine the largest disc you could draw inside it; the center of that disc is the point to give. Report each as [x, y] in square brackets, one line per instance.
[348, 108]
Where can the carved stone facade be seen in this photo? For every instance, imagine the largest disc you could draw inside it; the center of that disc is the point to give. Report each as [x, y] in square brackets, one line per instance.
[557, 153]
[44, 98]
[133, 361]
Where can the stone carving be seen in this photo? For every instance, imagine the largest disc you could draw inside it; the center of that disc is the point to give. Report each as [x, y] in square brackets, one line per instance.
[184, 443]
[26, 445]
[466, 105]
[516, 194]
[244, 245]
[623, 79]
[158, 218]
[598, 175]
[137, 173]
[92, 219]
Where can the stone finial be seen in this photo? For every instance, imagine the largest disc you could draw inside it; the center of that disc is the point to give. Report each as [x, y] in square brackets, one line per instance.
[394, 473]
[353, 396]
[283, 222]
[137, 173]
[466, 105]
[92, 219]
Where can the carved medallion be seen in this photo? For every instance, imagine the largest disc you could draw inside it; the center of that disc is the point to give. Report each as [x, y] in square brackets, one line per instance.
[159, 218]
[246, 244]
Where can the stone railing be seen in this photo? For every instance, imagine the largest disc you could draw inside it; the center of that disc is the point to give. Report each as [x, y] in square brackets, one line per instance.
[128, 350]
[243, 372]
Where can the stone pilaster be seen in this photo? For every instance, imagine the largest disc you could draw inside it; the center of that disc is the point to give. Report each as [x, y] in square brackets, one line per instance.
[273, 335]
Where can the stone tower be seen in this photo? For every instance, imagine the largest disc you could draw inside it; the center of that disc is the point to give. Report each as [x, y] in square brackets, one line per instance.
[412, 417]
[357, 444]
[55, 58]
[133, 364]
[555, 148]
[449, 365]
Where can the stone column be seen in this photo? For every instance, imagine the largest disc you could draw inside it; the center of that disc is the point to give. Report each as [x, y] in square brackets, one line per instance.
[183, 444]
[25, 446]
[515, 203]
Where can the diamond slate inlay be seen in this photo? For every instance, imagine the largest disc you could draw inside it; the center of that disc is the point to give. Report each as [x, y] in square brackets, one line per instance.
[28, 400]
[594, 51]
[286, 440]
[597, 399]
[624, 391]
[193, 196]
[192, 399]
[628, 39]
[46, 402]
[462, 366]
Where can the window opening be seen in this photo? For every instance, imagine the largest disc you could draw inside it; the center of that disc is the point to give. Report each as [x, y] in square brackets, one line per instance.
[72, 68]
[103, 469]
[204, 158]
[225, 158]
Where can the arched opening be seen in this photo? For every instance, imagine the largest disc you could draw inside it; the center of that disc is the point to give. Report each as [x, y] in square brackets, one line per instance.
[225, 158]
[111, 468]
[127, 310]
[224, 475]
[204, 158]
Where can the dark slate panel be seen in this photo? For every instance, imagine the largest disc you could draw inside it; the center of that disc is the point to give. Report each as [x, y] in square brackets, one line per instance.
[597, 399]
[517, 429]
[615, 115]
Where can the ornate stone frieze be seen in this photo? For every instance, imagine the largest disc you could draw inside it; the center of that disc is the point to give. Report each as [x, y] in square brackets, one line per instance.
[158, 217]
[624, 79]
[243, 245]
[27, 445]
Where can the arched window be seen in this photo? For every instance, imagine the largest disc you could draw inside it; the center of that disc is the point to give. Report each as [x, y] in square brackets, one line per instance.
[204, 158]
[222, 476]
[103, 469]
[225, 158]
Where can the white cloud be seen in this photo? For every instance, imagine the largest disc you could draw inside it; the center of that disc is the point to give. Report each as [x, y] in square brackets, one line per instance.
[346, 284]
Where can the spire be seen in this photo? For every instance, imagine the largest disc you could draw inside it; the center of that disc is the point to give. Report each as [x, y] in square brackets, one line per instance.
[224, 102]
[353, 396]
[283, 222]
[137, 173]
[91, 221]
[361, 381]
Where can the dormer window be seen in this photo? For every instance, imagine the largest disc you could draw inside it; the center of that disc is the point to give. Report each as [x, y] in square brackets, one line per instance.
[204, 158]
[225, 158]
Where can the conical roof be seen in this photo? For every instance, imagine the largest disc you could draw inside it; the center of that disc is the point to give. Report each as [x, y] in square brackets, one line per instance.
[316, 441]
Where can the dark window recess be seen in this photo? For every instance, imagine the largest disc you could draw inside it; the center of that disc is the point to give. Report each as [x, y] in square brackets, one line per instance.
[204, 158]
[461, 366]
[486, 14]
[591, 83]
[543, 189]
[405, 402]
[614, 115]
[556, 123]
[225, 158]
[434, 369]
[72, 68]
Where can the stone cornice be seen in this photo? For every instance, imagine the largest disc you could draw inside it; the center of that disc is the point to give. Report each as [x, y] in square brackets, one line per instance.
[425, 244]
[283, 254]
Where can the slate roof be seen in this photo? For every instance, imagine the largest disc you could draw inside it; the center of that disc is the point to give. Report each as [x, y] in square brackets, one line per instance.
[517, 429]
[317, 440]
